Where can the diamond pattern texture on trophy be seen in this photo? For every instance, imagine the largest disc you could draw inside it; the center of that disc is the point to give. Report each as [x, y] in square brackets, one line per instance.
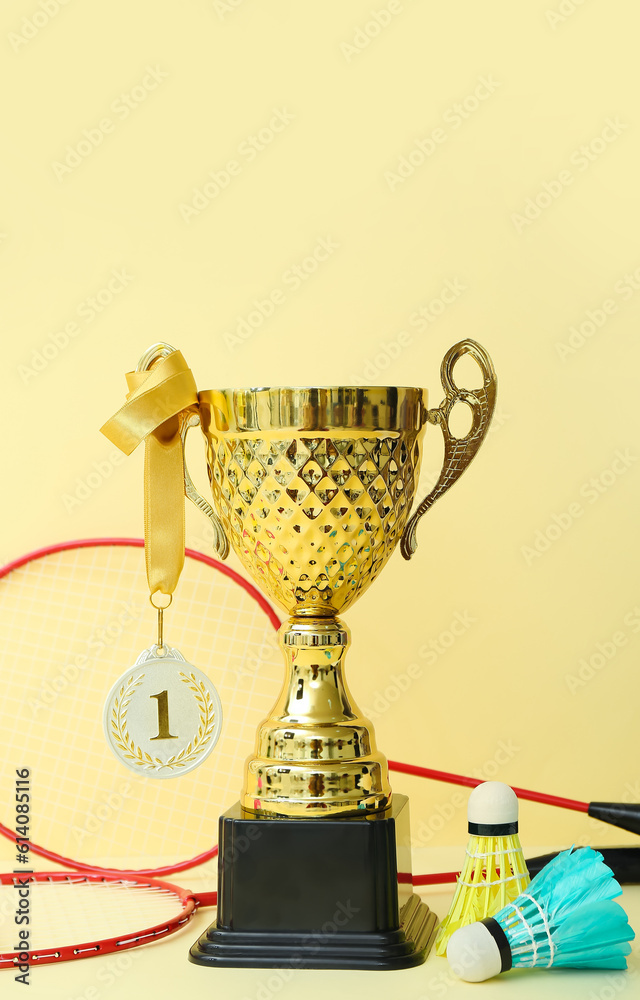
[349, 497]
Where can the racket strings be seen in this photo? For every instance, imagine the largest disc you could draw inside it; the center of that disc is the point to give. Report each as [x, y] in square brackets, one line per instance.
[71, 913]
[71, 623]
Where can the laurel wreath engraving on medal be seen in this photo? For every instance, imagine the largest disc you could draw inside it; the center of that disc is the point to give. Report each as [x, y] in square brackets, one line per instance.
[205, 723]
[134, 753]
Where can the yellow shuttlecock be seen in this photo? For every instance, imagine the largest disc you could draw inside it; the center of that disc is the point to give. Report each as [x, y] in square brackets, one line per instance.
[494, 871]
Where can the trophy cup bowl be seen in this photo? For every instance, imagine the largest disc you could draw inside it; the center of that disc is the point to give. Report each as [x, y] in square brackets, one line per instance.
[313, 488]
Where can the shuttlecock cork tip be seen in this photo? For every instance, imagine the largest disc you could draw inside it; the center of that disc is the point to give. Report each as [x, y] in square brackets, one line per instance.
[473, 954]
[492, 804]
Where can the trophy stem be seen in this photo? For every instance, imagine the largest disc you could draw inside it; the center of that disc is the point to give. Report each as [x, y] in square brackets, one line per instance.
[316, 754]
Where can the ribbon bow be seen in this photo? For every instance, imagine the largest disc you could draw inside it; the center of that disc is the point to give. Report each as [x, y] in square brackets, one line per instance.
[154, 412]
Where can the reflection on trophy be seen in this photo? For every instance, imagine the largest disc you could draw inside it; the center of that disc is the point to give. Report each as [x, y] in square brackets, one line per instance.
[313, 489]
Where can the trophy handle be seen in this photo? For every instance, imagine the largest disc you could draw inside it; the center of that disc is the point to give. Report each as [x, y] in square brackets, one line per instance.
[458, 452]
[220, 542]
[188, 418]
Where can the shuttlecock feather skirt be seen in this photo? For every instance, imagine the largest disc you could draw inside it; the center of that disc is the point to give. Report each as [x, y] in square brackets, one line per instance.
[568, 916]
[494, 874]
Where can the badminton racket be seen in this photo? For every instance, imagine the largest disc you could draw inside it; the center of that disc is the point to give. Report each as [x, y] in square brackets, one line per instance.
[81, 602]
[78, 915]
[71, 616]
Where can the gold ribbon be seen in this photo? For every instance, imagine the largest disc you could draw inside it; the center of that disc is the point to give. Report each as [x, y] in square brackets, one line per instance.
[155, 400]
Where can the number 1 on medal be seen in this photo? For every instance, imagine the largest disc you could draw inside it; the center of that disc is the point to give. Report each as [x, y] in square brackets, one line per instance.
[163, 717]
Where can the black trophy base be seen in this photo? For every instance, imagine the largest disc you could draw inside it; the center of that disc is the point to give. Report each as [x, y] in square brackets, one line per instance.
[317, 894]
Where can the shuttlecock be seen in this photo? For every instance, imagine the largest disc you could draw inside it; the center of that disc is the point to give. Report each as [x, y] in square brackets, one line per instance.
[494, 871]
[567, 917]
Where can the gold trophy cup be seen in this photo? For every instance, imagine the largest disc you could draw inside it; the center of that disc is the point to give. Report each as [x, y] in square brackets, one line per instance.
[313, 488]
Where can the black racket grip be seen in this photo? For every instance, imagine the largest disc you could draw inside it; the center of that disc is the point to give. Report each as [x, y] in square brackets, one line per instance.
[624, 862]
[626, 815]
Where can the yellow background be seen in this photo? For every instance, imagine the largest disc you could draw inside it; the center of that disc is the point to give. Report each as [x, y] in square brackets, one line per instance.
[554, 133]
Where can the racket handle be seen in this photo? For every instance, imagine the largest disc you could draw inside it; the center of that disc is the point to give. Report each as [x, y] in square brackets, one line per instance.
[624, 862]
[626, 815]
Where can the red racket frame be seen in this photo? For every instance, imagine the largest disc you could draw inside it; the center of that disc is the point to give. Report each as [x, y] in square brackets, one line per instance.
[46, 956]
[199, 859]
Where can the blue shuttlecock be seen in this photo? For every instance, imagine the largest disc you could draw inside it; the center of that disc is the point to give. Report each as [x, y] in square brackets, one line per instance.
[566, 917]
